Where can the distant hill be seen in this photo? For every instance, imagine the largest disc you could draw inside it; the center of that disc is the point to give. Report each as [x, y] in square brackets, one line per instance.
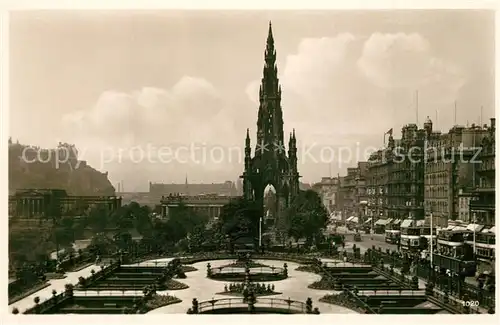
[32, 167]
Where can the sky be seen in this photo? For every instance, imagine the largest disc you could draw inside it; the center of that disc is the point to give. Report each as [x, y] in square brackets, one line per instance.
[158, 95]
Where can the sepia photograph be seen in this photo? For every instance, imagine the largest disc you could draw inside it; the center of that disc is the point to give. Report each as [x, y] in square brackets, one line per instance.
[251, 162]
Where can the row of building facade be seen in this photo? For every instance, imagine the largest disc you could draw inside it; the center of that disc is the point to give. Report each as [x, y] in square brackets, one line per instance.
[450, 176]
[55, 203]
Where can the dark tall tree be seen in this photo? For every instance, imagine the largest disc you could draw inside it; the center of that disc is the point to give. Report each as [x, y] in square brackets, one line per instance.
[98, 218]
[306, 217]
[240, 218]
[184, 221]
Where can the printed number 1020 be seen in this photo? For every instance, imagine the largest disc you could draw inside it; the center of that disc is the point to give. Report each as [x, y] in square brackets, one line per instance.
[470, 303]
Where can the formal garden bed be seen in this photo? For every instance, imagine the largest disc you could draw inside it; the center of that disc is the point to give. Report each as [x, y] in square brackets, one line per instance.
[158, 301]
[242, 289]
[308, 268]
[79, 267]
[212, 256]
[29, 291]
[344, 300]
[225, 273]
[323, 284]
[243, 264]
[238, 277]
[55, 276]
[175, 285]
[188, 268]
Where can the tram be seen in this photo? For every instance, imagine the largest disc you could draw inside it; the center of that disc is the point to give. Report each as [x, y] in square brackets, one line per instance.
[392, 236]
[485, 245]
[425, 238]
[454, 253]
[410, 239]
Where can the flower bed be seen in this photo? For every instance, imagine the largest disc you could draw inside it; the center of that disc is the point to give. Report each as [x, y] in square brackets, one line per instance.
[240, 294]
[28, 291]
[242, 289]
[343, 300]
[55, 276]
[308, 268]
[175, 285]
[323, 284]
[243, 264]
[188, 268]
[240, 276]
[158, 301]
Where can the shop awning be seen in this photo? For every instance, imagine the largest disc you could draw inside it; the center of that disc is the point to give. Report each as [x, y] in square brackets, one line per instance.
[420, 223]
[369, 220]
[475, 227]
[406, 223]
[458, 228]
[486, 230]
[350, 218]
[355, 220]
[381, 222]
[396, 222]
[334, 216]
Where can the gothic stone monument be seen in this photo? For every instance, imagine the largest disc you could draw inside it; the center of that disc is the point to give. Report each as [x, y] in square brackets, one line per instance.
[271, 163]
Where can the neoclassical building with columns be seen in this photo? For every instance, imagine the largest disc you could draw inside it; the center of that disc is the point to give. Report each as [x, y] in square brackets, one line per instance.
[207, 204]
[54, 203]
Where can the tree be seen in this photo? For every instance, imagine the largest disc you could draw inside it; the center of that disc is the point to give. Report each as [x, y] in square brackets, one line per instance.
[306, 216]
[102, 245]
[184, 221]
[62, 236]
[123, 240]
[98, 218]
[240, 217]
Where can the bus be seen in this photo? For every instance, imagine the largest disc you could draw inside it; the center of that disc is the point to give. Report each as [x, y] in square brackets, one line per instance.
[392, 236]
[410, 239]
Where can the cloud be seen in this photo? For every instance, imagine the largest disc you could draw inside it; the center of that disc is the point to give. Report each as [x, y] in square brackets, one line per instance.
[191, 112]
[345, 87]
[343, 91]
[183, 113]
[405, 61]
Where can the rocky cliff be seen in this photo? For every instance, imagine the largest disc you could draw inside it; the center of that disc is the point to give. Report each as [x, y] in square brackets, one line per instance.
[34, 167]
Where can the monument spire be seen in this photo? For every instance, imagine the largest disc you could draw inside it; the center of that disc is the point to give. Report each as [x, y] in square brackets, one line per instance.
[270, 116]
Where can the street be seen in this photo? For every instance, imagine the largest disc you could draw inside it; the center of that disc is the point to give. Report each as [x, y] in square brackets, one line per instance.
[379, 241]
[367, 240]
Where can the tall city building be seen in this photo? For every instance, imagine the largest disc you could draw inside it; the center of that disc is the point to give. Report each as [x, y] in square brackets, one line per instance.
[449, 169]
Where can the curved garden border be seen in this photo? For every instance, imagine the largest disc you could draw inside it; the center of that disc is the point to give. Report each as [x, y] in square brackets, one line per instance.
[252, 306]
[239, 274]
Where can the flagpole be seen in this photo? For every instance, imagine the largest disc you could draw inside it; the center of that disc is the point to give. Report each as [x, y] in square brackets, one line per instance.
[416, 106]
[455, 114]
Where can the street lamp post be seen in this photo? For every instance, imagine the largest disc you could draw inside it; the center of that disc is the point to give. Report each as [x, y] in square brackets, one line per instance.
[474, 234]
[432, 238]
[260, 232]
